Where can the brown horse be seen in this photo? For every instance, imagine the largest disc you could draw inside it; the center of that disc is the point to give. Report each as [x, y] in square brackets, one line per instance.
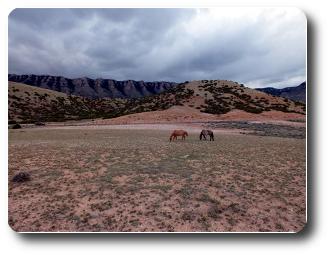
[177, 133]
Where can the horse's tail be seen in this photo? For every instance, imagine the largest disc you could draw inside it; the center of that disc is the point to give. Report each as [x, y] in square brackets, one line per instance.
[186, 133]
[212, 135]
[200, 136]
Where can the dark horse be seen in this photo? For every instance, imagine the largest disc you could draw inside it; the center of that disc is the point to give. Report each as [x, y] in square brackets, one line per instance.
[176, 133]
[206, 132]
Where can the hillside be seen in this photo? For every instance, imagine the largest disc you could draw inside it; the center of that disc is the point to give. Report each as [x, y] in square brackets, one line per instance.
[94, 89]
[292, 93]
[214, 99]
[29, 104]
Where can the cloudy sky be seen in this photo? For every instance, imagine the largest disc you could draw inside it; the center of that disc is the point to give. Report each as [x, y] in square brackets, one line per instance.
[258, 47]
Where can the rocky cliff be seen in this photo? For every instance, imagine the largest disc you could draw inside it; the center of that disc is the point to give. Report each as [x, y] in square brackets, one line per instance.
[95, 89]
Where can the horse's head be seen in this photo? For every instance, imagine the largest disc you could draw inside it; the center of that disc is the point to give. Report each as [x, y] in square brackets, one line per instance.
[171, 136]
[200, 136]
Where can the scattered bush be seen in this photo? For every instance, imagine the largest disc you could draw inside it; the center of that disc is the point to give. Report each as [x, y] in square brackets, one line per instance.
[16, 126]
[21, 177]
[247, 108]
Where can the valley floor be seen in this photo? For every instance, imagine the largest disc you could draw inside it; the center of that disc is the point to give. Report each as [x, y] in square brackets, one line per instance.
[103, 177]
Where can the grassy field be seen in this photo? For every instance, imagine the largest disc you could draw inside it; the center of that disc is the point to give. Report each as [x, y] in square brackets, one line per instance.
[100, 179]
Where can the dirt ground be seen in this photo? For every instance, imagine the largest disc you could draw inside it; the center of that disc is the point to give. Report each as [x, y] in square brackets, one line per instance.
[99, 176]
[187, 114]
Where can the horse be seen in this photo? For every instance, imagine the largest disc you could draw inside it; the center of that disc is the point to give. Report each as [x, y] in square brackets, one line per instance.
[177, 133]
[206, 132]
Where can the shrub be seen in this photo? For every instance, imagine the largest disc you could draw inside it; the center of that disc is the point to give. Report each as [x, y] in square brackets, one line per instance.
[21, 177]
[16, 126]
[247, 108]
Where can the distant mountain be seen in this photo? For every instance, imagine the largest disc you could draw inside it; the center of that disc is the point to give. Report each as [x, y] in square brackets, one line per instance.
[94, 89]
[293, 93]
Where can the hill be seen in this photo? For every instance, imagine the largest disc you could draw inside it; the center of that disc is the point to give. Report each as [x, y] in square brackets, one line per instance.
[292, 93]
[95, 89]
[30, 104]
[214, 99]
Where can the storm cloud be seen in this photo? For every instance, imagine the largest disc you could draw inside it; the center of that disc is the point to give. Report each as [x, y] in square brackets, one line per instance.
[259, 47]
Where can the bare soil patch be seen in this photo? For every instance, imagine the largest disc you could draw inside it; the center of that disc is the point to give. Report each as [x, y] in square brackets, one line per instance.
[99, 177]
[188, 114]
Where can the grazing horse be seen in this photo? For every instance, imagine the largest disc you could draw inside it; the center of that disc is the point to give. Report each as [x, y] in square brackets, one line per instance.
[206, 132]
[177, 133]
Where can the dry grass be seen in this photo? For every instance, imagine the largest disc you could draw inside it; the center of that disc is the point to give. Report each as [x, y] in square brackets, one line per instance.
[102, 179]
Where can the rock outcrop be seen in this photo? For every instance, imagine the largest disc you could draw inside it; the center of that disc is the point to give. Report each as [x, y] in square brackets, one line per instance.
[95, 89]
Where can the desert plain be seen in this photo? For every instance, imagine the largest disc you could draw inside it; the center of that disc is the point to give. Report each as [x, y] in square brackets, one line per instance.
[123, 174]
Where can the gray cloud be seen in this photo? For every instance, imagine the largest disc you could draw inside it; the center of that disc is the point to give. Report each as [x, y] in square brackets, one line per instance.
[256, 47]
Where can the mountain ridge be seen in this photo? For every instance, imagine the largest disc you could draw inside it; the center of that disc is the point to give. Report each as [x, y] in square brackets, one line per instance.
[292, 93]
[110, 88]
[94, 88]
